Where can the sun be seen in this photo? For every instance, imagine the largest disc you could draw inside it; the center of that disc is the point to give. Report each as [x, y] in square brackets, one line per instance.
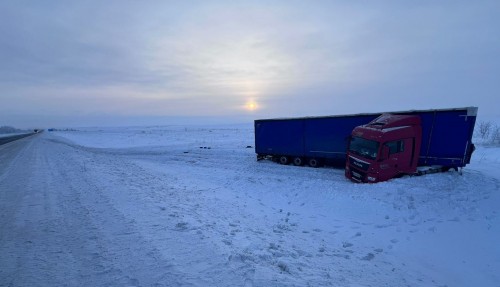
[251, 105]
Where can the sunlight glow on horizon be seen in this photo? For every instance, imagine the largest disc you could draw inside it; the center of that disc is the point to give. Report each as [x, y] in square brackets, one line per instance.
[251, 105]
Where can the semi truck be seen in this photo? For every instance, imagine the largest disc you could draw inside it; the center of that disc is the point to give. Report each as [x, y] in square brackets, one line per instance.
[372, 147]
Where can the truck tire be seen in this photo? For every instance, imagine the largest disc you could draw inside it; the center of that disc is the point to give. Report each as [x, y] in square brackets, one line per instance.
[298, 161]
[312, 162]
[284, 160]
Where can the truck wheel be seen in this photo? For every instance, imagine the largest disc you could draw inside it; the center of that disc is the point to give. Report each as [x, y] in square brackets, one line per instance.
[312, 162]
[298, 161]
[284, 160]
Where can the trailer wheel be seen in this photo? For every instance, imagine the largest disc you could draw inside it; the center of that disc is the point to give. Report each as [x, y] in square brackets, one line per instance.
[298, 161]
[312, 162]
[447, 168]
[284, 160]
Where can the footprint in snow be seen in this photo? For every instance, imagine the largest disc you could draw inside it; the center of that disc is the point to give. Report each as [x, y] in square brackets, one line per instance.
[346, 244]
[181, 226]
[368, 257]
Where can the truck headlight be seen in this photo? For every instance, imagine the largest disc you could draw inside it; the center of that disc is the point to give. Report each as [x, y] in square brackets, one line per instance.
[371, 178]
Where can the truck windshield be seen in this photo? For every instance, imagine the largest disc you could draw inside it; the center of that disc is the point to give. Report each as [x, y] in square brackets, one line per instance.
[364, 147]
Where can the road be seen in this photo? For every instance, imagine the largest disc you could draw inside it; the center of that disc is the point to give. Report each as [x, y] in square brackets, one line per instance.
[4, 140]
[59, 226]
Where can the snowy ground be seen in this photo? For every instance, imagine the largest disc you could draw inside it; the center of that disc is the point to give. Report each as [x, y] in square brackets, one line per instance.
[190, 206]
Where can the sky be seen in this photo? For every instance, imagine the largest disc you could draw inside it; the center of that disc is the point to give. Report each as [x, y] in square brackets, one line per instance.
[92, 63]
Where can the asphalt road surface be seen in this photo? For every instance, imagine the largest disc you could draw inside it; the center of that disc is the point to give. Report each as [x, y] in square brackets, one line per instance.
[4, 140]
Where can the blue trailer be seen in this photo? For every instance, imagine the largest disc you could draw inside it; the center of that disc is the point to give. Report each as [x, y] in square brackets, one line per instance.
[312, 140]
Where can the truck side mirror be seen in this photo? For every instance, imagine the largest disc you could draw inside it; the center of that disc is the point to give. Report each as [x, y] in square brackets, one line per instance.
[384, 153]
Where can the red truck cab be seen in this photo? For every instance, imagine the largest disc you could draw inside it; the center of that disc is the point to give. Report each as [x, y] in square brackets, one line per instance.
[387, 147]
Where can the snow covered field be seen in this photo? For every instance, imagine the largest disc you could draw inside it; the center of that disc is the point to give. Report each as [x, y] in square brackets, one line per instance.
[190, 206]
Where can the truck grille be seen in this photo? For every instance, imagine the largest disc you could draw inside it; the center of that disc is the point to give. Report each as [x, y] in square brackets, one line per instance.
[357, 175]
[354, 162]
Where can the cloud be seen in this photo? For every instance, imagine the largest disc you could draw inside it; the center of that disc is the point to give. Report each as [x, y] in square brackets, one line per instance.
[210, 58]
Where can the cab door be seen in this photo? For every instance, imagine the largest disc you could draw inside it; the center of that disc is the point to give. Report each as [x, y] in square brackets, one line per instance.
[402, 155]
